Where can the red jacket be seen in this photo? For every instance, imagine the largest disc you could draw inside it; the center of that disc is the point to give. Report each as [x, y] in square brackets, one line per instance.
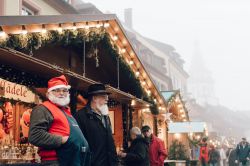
[204, 153]
[157, 151]
[60, 126]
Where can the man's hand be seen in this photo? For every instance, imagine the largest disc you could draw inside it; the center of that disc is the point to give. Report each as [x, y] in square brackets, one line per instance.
[65, 139]
[236, 161]
[122, 155]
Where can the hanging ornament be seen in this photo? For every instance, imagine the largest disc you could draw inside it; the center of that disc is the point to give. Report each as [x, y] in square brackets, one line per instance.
[96, 58]
[93, 53]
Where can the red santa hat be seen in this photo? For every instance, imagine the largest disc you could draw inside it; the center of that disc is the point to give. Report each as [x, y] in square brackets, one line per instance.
[58, 82]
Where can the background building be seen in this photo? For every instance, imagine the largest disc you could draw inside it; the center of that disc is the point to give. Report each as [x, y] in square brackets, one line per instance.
[41, 7]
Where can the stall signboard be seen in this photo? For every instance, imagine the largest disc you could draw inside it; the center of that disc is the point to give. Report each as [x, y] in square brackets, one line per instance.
[15, 91]
[187, 127]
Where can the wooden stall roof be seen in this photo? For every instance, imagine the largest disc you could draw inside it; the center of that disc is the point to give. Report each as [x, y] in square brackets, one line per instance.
[13, 25]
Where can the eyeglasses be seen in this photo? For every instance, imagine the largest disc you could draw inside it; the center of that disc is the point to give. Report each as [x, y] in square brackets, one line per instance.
[60, 90]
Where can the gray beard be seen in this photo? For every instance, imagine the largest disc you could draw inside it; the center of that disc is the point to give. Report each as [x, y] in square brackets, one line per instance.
[103, 109]
[59, 101]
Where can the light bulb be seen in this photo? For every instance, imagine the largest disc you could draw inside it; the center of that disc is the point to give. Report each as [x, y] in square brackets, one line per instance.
[74, 26]
[106, 25]
[123, 50]
[137, 73]
[59, 29]
[98, 25]
[87, 25]
[115, 37]
[24, 31]
[43, 29]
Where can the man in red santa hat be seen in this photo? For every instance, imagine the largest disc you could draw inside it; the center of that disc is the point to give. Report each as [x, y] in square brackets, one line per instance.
[54, 130]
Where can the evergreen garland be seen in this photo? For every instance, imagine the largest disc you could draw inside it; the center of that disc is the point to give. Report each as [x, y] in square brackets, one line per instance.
[75, 38]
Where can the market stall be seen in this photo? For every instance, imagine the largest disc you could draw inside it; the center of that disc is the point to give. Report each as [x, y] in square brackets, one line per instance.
[87, 49]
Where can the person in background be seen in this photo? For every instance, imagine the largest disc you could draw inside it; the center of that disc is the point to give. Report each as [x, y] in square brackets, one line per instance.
[203, 157]
[214, 156]
[157, 150]
[137, 153]
[231, 156]
[95, 124]
[242, 152]
[222, 156]
[55, 131]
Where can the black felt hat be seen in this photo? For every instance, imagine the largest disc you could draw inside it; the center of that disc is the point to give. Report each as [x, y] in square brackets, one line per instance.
[97, 89]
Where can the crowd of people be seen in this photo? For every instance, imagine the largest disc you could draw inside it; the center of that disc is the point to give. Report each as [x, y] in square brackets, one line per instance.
[221, 156]
[85, 139]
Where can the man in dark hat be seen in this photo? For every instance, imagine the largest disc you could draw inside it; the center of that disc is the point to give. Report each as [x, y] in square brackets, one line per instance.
[96, 127]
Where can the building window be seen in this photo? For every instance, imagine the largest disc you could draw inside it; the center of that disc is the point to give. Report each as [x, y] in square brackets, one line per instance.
[68, 1]
[29, 8]
[27, 12]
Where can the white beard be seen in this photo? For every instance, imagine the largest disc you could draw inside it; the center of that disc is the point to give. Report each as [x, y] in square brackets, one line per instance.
[103, 109]
[60, 101]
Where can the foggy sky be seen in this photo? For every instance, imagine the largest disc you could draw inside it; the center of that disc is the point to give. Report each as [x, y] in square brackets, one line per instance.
[222, 28]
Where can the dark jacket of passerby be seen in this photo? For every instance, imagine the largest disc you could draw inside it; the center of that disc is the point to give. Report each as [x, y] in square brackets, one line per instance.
[231, 156]
[243, 152]
[157, 151]
[98, 136]
[137, 153]
[214, 156]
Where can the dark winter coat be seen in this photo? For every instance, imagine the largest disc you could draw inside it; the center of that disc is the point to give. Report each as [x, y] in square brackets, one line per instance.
[137, 153]
[214, 156]
[231, 155]
[243, 152]
[99, 137]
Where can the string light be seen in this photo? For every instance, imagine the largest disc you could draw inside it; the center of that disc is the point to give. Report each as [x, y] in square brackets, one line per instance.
[131, 62]
[87, 25]
[132, 102]
[123, 50]
[74, 26]
[98, 25]
[143, 83]
[106, 24]
[59, 29]
[2, 33]
[24, 31]
[43, 29]
[137, 73]
[115, 37]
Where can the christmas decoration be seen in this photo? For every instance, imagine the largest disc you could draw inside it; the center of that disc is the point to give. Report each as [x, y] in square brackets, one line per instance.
[75, 38]
[177, 151]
